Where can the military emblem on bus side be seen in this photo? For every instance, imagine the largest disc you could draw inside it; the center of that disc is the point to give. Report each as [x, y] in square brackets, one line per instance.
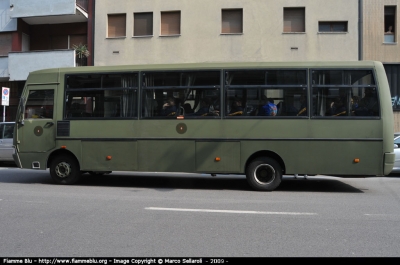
[181, 128]
[38, 131]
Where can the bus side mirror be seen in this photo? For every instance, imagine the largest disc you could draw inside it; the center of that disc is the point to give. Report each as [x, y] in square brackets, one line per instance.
[22, 111]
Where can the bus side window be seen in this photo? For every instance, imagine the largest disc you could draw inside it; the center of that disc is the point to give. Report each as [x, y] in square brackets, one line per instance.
[368, 105]
[75, 110]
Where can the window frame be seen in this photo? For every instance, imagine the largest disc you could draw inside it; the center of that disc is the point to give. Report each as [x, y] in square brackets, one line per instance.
[390, 11]
[332, 24]
[345, 86]
[161, 23]
[304, 86]
[144, 88]
[108, 26]
[3, 129]
[147, 18]
[136, 88]
[229, 15]
[286, 17]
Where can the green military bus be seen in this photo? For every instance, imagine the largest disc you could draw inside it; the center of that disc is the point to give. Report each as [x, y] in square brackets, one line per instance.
[263, 120]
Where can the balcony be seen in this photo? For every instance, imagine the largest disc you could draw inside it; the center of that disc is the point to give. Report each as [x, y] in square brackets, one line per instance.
[21, 63]
[36, 12]
[6, 23]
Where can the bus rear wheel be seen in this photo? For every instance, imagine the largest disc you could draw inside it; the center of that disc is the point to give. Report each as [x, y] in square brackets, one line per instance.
[64, 169]
[264, 174]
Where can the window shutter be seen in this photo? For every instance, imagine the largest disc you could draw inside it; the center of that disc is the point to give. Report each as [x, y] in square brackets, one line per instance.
[232, 21]
[171, 23]
[116, 25]
[294, 20]
[143, 24]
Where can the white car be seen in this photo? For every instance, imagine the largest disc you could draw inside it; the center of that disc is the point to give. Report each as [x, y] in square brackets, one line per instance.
[6, 141]
[396, 167]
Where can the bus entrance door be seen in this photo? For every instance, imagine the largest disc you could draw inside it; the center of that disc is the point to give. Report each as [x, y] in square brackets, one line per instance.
[36, 134]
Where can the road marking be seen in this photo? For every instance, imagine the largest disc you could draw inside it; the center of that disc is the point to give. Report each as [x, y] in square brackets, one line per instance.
[225, 211]
[42, 202]
[381, 214]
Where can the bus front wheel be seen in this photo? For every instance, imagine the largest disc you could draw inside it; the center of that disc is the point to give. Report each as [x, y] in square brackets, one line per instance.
[65, 170]
[264, 174]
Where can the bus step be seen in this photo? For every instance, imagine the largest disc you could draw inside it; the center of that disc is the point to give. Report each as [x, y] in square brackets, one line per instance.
[35, 165]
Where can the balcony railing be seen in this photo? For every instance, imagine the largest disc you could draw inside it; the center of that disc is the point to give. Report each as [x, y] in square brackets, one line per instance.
[21, 63]
[81, 61]
[82, 4]
[54, 11]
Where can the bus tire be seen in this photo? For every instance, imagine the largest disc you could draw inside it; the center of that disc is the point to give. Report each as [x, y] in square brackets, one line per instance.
[65, 170]
[264, 174]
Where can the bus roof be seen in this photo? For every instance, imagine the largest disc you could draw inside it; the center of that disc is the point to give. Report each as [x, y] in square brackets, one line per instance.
[205, 66]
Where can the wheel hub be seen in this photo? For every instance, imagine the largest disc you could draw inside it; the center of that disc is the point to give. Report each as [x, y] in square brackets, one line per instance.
[264, 174]
[63, 170]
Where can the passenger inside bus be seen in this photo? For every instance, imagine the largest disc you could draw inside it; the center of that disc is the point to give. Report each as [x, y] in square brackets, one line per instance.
[169, 108]
[286, 108]
[368, 105]
[204, 107]
[187, 108]
[354, 104]
[236, 108]
[303, 106]
[267, 108]
[337, 108]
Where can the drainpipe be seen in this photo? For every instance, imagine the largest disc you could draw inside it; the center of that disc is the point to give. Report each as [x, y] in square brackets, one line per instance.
[93, 29]
[360, 30]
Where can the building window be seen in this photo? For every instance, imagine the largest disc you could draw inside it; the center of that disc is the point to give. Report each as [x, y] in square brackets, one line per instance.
[393, 76]
[232, 21]
[143, 24]
[390, 22]
[294, 19]
[116, 26]
[332, 26]
[170, 23]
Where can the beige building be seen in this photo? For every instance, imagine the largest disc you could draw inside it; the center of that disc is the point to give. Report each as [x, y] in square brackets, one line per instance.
[380, 42]
[177, 31]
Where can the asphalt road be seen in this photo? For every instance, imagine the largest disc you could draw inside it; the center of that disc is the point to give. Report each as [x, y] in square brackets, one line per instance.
[188, 215]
